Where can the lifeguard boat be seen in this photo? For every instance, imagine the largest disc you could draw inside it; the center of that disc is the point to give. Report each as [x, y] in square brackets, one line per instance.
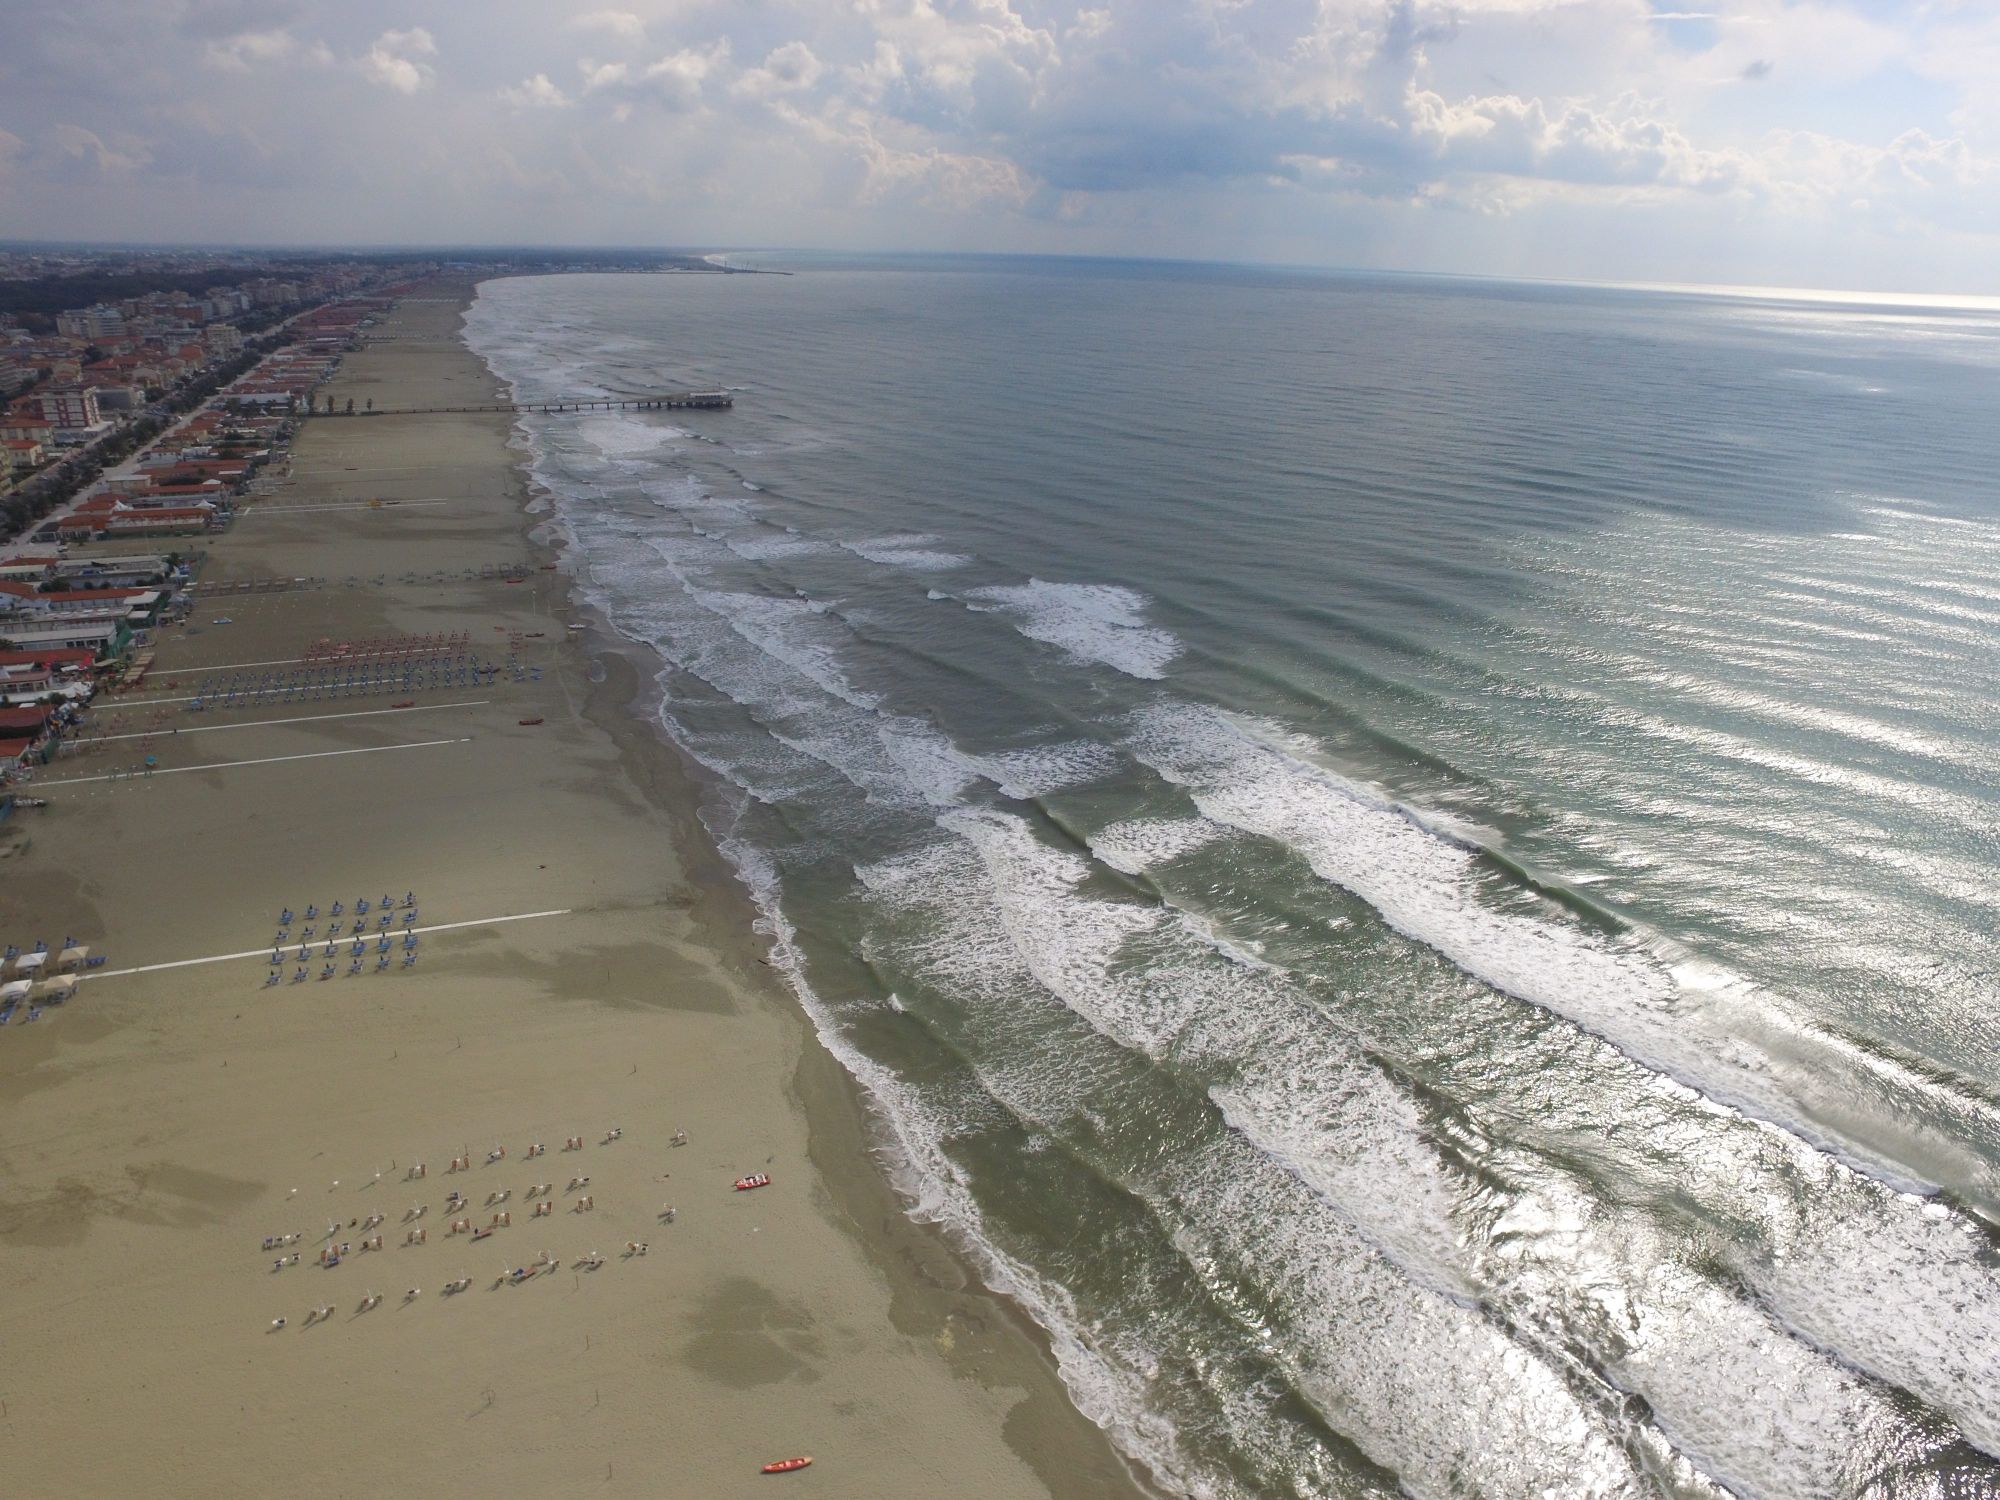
[755, 1180]
[787, 1465]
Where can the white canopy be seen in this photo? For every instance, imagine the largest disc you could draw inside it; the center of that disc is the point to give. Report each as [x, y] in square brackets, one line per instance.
[15, 989]
[29, 963]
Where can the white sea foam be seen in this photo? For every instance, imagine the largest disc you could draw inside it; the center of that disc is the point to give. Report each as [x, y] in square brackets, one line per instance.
[1141, 844]
[1566, 1271]
[909, 550]
[1038, 770]
[1255, 778]
[1096, 622]
[1335, 1282]
[625, 434]
[770, 548]
[788, 629]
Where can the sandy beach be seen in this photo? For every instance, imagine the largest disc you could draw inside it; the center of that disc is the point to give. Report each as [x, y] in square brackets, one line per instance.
[585, 968]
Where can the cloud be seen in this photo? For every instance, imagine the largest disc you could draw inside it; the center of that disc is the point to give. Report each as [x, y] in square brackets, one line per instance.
[1311, 129]
[535, 93]
[397, 60]
[620, 23]
[84, 150]
[251, 49]
[676, 79]
[674, 82]
[786, 70]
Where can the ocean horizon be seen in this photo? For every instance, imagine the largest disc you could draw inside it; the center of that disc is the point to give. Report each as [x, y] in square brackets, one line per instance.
[1406, 863]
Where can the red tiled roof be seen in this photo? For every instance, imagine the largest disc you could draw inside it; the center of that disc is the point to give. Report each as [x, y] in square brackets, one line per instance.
[49, 656]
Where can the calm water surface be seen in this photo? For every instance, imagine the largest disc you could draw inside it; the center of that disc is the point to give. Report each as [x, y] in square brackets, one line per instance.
[1409, 864]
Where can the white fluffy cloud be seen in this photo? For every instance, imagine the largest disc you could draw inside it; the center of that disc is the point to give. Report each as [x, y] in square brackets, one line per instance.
[400, 60]
[535, 93]
[786, 70]
[618, 23]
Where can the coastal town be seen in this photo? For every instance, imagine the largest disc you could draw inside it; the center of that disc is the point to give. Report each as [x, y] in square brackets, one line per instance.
[101, 552]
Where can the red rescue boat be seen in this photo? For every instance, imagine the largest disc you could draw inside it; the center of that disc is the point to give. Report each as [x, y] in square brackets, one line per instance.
[760, 1179]
[787, 1465]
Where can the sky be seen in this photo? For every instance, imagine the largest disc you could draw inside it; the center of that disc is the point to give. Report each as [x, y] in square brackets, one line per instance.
[1822, 143]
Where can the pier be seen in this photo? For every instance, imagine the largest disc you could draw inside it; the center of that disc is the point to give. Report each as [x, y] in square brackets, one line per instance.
[657, 401]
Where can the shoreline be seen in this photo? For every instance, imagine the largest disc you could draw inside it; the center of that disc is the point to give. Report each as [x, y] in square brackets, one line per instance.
[936, 1289]
[588, 972]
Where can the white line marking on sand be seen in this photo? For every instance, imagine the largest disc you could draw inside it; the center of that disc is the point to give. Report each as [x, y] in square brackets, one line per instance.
[377, 684]
[318, 661]
[359, 713]
[307, 510]
[232, 666]
[268, 760]
[223, 958]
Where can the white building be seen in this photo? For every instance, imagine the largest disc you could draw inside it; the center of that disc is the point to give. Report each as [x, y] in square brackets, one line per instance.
[73, 407]
[99, 322]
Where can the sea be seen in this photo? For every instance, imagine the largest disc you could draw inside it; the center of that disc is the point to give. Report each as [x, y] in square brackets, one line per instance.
[1407, 865]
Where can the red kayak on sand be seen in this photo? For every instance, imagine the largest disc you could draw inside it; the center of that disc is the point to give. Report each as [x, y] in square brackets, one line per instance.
[761, 1179]
[786, 1465]
[531, 721]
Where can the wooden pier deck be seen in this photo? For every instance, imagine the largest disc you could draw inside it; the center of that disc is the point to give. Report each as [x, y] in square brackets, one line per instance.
[657, 401]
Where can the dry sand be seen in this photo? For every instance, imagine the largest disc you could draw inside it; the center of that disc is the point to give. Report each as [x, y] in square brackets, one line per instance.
[157, 1128]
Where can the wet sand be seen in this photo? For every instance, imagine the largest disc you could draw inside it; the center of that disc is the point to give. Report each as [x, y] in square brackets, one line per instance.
[155, 1130]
